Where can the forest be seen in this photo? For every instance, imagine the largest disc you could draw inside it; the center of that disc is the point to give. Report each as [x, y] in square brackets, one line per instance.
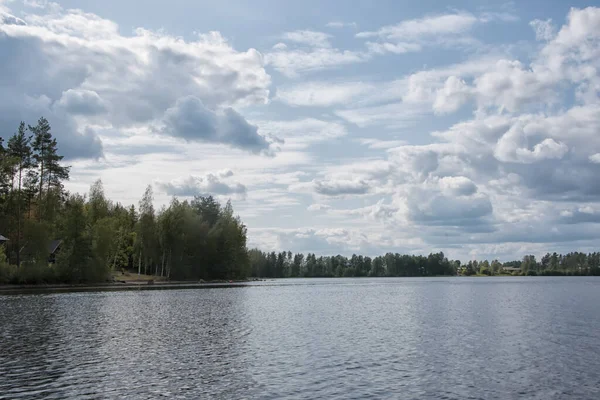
[48, 235]
[186, 240]
[288, 265]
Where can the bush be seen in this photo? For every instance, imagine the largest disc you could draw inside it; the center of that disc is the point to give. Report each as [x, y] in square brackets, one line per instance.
[36, 273]
[7, 272]
[29, 273]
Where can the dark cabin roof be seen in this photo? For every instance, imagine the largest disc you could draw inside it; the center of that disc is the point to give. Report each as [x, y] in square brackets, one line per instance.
[3, 239]
[53, 245]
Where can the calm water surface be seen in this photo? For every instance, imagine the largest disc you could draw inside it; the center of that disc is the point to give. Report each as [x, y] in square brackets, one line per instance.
[454, 338]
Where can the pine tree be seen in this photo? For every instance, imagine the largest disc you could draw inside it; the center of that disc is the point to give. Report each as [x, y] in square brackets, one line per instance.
[19, 148]
[47, 159]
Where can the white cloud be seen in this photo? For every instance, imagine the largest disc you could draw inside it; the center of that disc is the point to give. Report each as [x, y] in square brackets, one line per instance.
[339, 187]
[446, 30]
[428, 26]
[395, 48]
[544, 30]
[318, 207]
[340, 24]
[78, 62]
[377, 144]
[299, 134]
[211, 183]
[293, 62]
[457, 186]
[322, 94]
[310, 38]
[513, 147]
[452, 96]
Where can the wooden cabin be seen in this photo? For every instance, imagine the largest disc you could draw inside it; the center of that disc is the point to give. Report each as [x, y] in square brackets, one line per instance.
[27, 254]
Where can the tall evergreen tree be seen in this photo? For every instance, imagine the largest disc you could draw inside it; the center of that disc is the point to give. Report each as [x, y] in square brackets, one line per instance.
[19, 148]
[51, 172]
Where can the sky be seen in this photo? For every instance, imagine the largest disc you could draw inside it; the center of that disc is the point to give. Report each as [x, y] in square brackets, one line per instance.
[367, 127]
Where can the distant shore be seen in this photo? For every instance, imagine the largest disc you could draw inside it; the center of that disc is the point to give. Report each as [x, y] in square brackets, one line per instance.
[118, 286]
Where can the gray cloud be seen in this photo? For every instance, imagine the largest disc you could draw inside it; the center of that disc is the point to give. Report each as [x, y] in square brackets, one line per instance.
[191, 120]
[8, 19]
[341, 187]
[67, 63]
[214, 184]
[436, 209]
[82, 102]
[580, 215]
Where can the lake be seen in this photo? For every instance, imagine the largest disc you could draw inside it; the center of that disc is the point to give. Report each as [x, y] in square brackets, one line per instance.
[421, 338]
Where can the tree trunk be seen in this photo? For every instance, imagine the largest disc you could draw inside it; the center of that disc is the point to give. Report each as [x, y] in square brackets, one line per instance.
[169, 264]
[116, 254]
[140, 263]
[41, 183]
[19, 218]
[162, 267]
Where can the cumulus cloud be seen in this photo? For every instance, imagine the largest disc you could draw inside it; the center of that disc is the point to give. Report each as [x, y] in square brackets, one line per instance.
[81, 102]
[452, 96]
[328, 241]
[341, 187]
[513, 147]
[379, 211]
[62, 63]
[429, 206]
[544, 30]
[209, 184]
[457, 186]
[191, 120]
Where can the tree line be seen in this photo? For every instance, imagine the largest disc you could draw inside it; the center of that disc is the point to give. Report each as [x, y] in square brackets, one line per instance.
[186, 240]
[288, 265]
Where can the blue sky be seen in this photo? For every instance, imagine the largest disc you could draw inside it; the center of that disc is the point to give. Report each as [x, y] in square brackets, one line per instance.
[334, 127]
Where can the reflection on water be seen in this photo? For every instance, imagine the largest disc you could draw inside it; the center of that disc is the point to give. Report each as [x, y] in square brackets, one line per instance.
[450, 338]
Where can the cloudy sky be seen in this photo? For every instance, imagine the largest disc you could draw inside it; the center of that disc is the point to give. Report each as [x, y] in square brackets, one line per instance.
[334, 127]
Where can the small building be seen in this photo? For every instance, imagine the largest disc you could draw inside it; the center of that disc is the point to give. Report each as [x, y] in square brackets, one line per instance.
[53, 249]
[511, 269]
[3, 239]
[27, 254]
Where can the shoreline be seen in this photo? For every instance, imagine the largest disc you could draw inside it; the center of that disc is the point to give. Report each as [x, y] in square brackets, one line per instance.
[118, 286]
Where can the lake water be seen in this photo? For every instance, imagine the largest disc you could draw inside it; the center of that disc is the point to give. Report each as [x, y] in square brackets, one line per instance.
[422, 338]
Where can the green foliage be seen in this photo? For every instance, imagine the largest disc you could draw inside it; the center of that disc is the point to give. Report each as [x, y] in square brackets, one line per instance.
[283, 265]
[199, 239]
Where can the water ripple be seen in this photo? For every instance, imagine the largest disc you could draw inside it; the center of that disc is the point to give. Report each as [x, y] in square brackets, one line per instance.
[535, 338]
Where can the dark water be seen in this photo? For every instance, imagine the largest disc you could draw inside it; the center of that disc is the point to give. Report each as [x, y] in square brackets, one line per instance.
[455, 338]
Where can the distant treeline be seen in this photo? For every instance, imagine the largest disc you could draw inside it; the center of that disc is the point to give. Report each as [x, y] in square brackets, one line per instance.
[56, 236]
[289, 265]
